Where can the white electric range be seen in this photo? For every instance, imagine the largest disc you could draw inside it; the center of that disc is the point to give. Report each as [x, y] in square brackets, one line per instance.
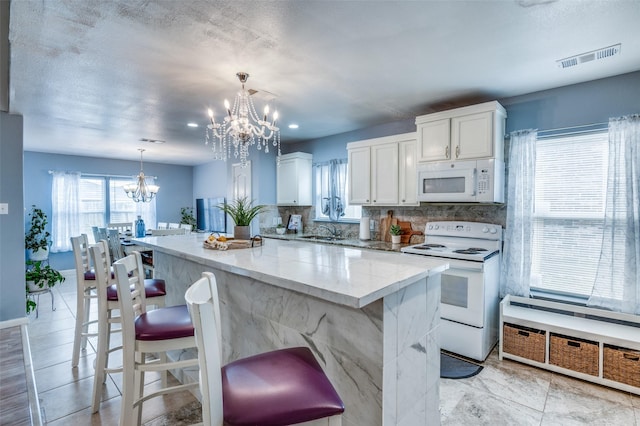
[470, 298]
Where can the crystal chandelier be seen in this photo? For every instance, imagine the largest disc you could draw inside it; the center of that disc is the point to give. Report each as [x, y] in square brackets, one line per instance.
[242, 127]
[139, 190]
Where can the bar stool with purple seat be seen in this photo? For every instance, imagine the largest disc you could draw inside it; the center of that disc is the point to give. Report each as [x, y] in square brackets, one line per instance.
[155, 289]
[147, 332]
[276, 388]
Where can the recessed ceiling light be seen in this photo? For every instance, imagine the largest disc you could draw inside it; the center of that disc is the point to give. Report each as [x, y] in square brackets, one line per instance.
[192, 124]
[156, 141]
[293, 126]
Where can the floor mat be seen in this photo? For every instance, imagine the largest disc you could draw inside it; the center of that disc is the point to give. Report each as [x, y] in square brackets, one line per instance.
[456, 368]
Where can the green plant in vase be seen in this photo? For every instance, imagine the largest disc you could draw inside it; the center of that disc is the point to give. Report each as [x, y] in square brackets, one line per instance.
[36, 240]
[242, 213]
[186, 217]
[395, 232]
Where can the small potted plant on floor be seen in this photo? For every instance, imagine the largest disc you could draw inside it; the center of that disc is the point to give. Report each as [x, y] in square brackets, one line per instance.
[242, 213]
[39, 276]
[395, 232]
[36, 239]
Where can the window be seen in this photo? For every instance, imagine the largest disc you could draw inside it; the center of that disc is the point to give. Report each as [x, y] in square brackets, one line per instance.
[99, 207]
[570, 189]
[332, 192]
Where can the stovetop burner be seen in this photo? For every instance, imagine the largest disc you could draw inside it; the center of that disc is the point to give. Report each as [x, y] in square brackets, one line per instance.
[477, 249]
[428, 246]
[468, 251]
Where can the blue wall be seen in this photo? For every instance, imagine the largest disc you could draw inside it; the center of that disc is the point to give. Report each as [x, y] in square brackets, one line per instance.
[176, 186]
[575, 105]
[579, 104]
[12, 296]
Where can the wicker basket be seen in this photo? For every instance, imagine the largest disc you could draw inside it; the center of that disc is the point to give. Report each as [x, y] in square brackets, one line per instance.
[524, 342]
[574, 354]
[621, 365]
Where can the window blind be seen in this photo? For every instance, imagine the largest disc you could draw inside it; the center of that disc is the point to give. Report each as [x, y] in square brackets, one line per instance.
[570, 189]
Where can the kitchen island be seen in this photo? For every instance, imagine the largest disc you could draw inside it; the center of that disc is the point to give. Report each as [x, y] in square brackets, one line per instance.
[370, 317]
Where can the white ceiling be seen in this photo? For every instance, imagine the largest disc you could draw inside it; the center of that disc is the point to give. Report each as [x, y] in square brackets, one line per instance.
[92, 77]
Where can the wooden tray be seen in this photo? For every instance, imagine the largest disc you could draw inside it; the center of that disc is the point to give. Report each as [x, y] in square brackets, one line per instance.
[231, 244]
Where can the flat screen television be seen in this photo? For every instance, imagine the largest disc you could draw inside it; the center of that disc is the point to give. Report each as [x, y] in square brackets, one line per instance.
[209, 217]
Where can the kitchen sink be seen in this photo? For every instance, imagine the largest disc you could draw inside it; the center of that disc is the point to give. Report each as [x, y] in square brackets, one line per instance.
[321, 238]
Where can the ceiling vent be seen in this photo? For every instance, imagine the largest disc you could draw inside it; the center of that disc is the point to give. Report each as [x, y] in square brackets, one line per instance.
[594, 55]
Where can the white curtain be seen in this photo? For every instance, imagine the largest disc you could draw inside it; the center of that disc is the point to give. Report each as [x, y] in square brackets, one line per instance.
[65, 218]
[517, 253]
[332, 188]
[617, 283]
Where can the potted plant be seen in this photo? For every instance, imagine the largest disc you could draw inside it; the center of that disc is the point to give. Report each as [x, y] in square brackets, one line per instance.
[395, 232]
[242, 213]
[39, 276]
[36, 239]
[280, 229]
[186, 217]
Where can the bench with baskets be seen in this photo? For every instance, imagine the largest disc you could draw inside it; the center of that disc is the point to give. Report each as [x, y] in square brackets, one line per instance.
[587, 343]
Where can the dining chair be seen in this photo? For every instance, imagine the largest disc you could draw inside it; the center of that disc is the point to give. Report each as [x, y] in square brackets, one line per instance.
[96, 235]
[281, 387]
[122, 227]
[102, 234]
[162, 225]
[173, 226]
[115, 245]
[147, 332]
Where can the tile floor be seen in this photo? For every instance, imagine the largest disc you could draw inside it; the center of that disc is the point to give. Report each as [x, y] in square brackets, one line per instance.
[504, 393]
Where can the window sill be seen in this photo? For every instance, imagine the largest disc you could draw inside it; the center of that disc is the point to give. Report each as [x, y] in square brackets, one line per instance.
[556, 297]
[349, 221]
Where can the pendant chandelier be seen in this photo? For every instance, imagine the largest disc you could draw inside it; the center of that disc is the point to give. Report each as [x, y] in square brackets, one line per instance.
[139, 190]
[242, 127]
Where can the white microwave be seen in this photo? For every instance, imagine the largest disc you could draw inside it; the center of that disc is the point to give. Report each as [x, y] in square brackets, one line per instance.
[478, 181]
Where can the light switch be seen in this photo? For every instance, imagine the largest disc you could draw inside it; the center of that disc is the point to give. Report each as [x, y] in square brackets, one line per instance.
[4, 208]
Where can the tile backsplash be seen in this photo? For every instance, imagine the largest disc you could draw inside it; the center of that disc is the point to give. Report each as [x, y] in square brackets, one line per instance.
[418, 216]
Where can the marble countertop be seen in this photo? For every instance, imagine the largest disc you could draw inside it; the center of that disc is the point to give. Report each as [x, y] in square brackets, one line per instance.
[341, 274]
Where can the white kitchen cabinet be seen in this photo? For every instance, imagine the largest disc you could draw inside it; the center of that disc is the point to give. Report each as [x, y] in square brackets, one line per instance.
[359, 175]
[472, 132]
[407, 177]
[294, 180]
[384, 174]
[377, 171]
[435, 140]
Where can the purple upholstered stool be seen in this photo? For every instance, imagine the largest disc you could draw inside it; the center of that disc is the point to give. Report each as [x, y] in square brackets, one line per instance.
[281, 387]
[144, 332]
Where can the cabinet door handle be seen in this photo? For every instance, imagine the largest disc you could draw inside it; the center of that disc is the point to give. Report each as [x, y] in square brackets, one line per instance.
[457, 151]
[446, 152]
[403, 201]
[374, 201]
[367, 201]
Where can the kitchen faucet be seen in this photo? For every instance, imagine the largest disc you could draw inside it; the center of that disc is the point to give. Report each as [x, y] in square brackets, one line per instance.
[332, 229]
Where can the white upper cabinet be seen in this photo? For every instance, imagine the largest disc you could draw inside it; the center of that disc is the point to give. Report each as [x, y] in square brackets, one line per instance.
[378, 174]
[437, 140]
[407, 177]
[294, 180]
[472, 132]
[359, 175]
